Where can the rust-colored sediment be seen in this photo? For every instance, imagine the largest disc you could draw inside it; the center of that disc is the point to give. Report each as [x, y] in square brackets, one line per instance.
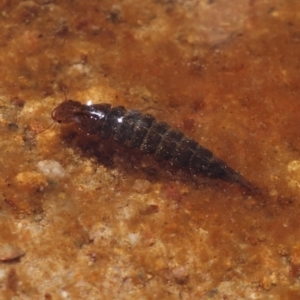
[82, 221]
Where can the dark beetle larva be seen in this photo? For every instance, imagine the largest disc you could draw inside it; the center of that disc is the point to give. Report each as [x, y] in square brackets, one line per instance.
[134, 129]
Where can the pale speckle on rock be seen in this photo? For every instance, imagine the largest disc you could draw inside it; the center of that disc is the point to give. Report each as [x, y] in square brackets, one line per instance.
[2, 274]
[294, 166]
[51, 169]
[133, 238]
[65, 294]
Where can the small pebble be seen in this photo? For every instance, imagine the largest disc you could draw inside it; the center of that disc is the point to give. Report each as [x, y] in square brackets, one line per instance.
[51, 169]
[141, 186]
[180, 274]
[149, 210]
[31, 181]
[10, 252]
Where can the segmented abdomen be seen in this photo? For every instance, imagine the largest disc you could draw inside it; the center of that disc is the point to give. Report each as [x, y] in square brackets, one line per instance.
[143, 131]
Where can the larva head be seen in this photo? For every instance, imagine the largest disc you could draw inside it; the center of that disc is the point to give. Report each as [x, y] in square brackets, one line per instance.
[66, 112]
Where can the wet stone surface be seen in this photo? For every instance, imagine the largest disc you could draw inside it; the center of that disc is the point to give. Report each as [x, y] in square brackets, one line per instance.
[82, 219]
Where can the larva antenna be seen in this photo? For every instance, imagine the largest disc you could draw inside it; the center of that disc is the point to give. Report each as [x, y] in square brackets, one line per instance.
[48, 127]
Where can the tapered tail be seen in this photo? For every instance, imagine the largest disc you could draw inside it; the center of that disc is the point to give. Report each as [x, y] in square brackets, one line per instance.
[232, 176]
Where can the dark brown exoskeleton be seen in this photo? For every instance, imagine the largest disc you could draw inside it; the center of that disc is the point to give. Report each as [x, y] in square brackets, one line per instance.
[136, 130]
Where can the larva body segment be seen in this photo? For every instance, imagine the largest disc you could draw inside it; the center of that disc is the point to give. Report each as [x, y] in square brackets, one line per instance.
[136, 130]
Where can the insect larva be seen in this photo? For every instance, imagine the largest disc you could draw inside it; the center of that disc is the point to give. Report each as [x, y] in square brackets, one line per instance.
[136, 130]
